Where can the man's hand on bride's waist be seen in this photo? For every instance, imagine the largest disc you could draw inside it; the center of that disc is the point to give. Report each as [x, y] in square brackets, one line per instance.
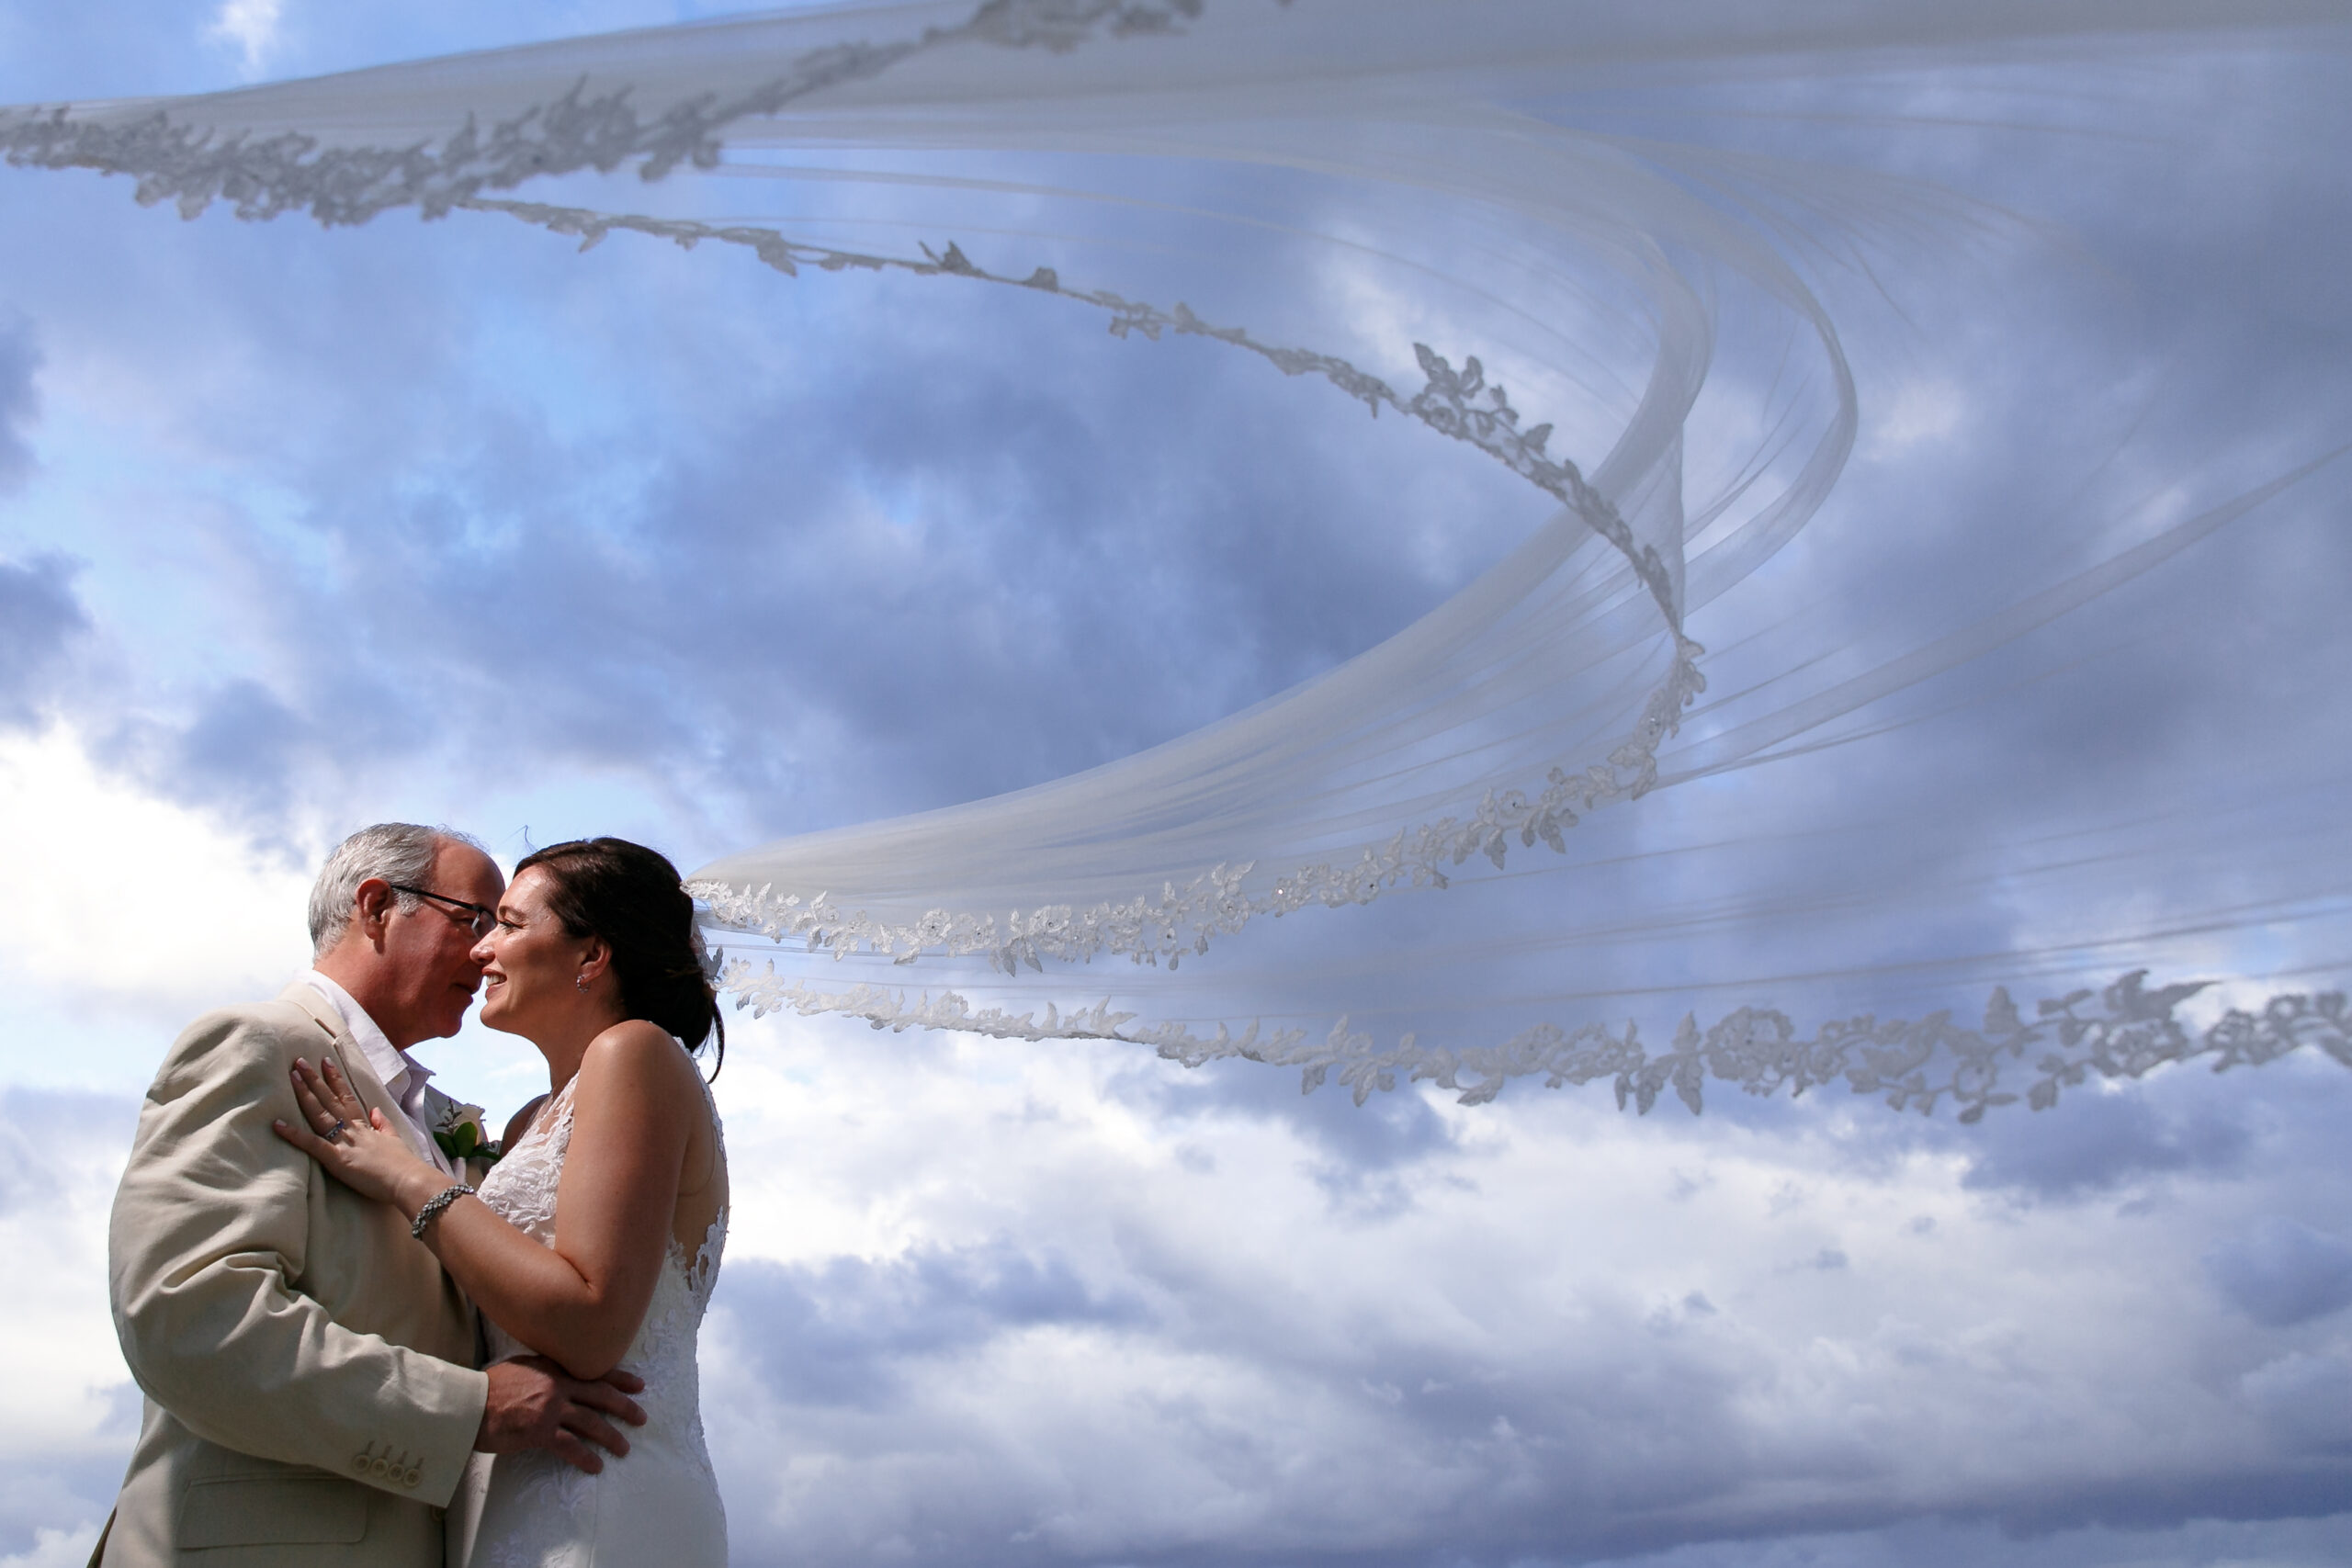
[534, 1404]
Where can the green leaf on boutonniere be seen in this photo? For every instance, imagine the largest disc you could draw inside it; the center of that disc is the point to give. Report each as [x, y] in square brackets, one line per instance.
[460, 1138]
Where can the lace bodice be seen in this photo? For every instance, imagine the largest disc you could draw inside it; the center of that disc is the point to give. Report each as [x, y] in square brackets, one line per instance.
[522, 1187]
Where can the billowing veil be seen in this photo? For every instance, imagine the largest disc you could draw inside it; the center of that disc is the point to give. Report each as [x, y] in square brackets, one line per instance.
[1569, 254]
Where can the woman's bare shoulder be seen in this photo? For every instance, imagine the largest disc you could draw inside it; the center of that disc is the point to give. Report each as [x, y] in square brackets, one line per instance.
[637, 1052]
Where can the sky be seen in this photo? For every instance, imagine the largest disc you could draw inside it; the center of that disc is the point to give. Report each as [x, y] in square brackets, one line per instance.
[304, 528]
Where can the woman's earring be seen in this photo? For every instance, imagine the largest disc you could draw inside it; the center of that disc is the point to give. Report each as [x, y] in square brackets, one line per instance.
[580, 982]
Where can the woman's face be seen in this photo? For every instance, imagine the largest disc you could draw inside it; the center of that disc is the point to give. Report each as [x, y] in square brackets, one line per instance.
[530, 964]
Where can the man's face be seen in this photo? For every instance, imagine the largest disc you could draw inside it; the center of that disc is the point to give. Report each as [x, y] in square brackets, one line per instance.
[428, 951]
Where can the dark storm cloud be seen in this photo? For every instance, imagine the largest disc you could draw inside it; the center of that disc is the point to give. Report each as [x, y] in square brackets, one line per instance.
[1361, 1152]
[880, 560]
[2308, 1400]
[2094, 1144]
[844, 547]
[40, 617]
[1951, 1543]
[923, 584]
[239, 752]
[2282, 1272]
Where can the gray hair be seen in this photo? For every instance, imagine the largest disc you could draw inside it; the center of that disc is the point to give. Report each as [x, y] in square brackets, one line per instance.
[396, 852]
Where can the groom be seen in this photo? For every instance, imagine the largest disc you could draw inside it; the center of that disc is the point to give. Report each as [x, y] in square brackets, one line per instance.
[308, 1369]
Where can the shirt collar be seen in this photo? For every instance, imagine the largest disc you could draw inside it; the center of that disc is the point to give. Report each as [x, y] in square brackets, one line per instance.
[402, 1075]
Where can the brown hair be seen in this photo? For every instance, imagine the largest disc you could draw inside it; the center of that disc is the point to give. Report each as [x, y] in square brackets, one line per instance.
[631, 896]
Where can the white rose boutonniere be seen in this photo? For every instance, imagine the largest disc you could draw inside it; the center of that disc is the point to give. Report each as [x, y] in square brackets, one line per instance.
[461, 1137]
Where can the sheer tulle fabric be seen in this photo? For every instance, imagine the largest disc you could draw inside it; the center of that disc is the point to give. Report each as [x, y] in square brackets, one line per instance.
[1649, 329]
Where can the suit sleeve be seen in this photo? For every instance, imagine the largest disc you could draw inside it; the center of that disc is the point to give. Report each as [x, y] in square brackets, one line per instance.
[211, 1227]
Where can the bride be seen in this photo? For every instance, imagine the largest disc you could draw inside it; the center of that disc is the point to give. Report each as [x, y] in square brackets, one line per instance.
[596, 1239]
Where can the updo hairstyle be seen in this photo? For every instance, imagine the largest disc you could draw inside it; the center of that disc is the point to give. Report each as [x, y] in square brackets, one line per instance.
[632, 897]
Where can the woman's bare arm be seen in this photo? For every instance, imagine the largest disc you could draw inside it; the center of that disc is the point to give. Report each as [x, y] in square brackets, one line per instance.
[580, 1302]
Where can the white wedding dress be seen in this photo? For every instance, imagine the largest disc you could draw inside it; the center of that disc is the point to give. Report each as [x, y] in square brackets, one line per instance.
[660, 1503]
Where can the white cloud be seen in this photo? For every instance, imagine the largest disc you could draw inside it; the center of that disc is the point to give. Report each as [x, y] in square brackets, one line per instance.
[67, 1416]
[1919, 412]
[135, 904]
[252, 27]
[1011, 1303]
[1008, 1304]
[55, 1549]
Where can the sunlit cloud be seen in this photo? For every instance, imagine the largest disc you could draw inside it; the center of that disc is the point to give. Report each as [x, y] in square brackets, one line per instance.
[252, 27]
[145, 906]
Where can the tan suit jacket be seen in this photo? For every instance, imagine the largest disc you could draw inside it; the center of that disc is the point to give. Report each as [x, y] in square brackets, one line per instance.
[311, 1395]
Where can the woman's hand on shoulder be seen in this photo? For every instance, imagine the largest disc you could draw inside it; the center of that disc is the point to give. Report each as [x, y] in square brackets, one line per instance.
[353, 1143]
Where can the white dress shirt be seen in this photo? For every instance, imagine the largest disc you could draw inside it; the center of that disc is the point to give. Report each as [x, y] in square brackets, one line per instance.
[401, 1073]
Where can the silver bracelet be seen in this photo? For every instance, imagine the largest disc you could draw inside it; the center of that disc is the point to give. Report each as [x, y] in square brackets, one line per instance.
[431, 1210]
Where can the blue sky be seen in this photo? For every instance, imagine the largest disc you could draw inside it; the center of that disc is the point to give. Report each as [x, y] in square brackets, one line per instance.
[300, 528]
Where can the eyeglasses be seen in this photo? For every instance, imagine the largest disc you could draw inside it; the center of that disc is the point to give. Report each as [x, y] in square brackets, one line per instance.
[479, 920]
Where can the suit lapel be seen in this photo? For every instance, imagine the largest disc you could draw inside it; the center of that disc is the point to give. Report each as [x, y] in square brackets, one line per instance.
[352, 1062]
[435, 1106]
